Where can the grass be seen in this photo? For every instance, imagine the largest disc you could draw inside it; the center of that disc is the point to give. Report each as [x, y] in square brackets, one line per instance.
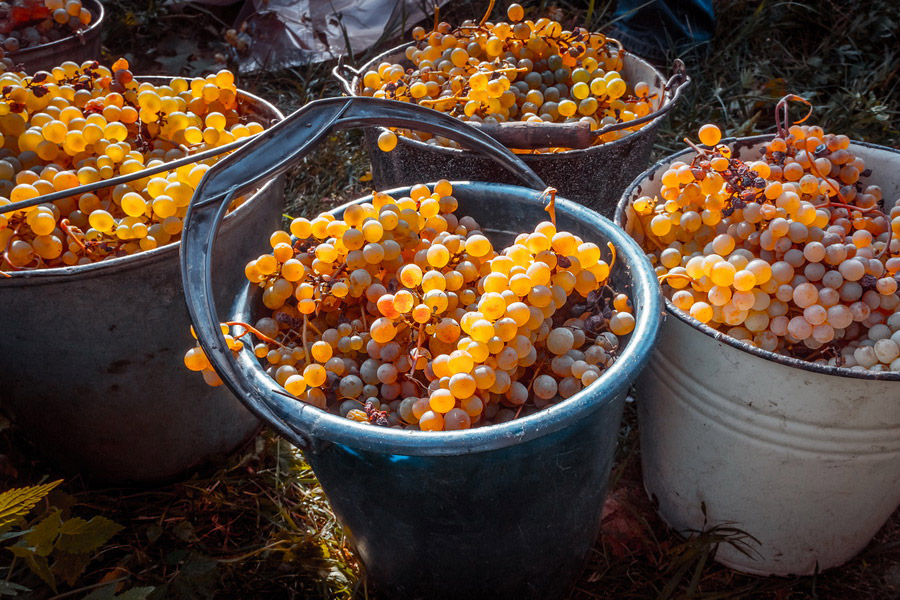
[257, 525]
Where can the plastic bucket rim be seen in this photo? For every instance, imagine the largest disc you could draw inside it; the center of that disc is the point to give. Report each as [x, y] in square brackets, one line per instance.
[719, 336]
[160, 252]
[322, 425]
[96, 8]
[572, 152]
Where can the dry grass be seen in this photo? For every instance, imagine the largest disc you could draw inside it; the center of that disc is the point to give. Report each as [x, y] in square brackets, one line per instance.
[259, 526]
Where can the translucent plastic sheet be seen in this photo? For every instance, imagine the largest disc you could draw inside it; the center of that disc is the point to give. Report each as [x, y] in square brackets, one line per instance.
[284, 33]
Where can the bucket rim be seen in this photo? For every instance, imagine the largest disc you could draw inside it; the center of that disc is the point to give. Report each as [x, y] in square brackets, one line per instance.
[311, 425]
[719, 336]
[650, 126]
[96, 8]
[112, 265]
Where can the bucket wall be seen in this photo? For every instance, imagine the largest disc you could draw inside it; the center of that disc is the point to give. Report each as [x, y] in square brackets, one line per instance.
[594, 177]
[512, 523]
[803, 457]
[76, 48]
[93, 355]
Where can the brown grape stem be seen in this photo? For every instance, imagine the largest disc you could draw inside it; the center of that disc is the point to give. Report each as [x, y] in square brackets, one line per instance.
[696, 148]
[551, 204]
[303, 338]
[487, 13]
[781, 124]
[419, 340]
[64, 225]
[662, 278]
[254, 331]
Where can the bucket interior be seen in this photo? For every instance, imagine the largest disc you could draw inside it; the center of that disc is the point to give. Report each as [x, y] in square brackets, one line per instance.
[885, 165]
[634, 69]
[499, 209]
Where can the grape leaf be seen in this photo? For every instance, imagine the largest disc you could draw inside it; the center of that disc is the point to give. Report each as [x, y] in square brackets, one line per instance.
[42, 535]
[69, 567]
[79, 536]
[37, 564]
[17, 502]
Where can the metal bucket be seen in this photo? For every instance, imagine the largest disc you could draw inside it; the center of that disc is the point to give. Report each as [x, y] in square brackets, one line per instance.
[92, 355]
[507, 511]
[76, 48]
[804, 457]
[594, 177]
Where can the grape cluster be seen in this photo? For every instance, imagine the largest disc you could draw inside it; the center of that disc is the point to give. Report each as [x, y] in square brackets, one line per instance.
[84, 124]
[531, 71]
[27, 23]
[791, 253]
[403, 314]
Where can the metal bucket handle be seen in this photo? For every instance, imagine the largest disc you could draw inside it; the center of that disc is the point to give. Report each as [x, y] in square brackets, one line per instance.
[269, 155]
[671, 92]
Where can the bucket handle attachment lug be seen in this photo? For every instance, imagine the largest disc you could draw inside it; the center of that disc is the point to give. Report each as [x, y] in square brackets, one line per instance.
[338, 74]
[268, 155]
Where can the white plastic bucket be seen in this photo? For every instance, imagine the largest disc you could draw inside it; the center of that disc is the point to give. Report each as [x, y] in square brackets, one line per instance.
[803, 457]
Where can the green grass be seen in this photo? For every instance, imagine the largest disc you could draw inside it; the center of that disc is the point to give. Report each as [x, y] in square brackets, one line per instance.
[258, 525]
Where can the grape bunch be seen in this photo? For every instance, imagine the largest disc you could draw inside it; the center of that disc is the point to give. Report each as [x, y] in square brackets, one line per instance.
[792, 253]
[27, 23]
[83, 124]
[522, 70]
[402, 314]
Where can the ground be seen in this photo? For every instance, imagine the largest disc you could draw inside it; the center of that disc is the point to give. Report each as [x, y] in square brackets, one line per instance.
[257, 524]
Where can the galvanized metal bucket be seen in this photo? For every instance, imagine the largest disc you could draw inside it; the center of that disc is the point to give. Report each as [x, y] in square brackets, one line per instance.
[803, 457]
[594, 177]
[76, 48]
[92, 354]
[508, 511]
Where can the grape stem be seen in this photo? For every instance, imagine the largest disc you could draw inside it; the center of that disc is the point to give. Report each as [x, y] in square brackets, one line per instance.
[781, 123]
[696, 148]
[551, 204]
[419, 340]
[303, 338]
[487, 13]
[64, 225]
[254, 331]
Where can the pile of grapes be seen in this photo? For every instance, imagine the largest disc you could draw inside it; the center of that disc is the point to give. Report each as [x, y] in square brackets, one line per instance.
[792, 253]
[85, 124]
[403, 314]
[531, 71]
[27, 23]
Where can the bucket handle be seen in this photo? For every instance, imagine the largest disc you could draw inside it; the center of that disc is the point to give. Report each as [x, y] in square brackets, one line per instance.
[345, 81]
[269, 155]
[671, 92]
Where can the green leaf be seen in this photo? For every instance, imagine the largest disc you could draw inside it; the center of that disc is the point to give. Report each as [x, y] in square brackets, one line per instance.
[13, 534]
[69, 567]
[42, 535]
[17, 502]
[40, 567]
[21, 551]
[79, 536]
[8, 588]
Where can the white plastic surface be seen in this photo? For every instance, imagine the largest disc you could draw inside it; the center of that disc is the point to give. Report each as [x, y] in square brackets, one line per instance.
[808, 463]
